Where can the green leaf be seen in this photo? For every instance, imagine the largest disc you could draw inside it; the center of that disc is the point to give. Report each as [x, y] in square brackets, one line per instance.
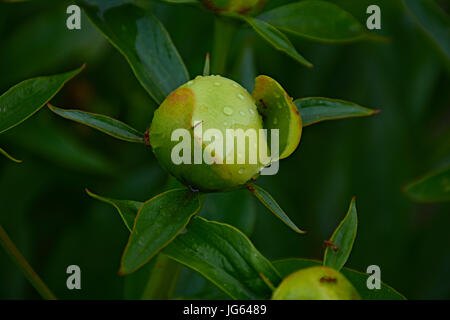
[144, 42]
[276, 38]
[126, 208]
[105, 124]
[434, 187]
[26, 98]
[233, 263]
[273, 206]
[226, 257]
[343, 238]
[316, 20]
[158, 222]
[357, 278]
[433, 20]
[157, 279]
[316, 109]
[6, 154]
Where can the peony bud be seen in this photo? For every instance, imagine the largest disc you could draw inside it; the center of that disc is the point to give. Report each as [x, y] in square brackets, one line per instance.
[315, 283]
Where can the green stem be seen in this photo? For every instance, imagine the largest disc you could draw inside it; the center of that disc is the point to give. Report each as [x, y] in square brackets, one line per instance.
[224, 30]
[22, 263]
[162, 281]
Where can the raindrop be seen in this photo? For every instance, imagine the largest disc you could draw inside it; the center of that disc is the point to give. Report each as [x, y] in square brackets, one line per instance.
[228, 111]
[275, 121]
[241, 170]
[241, 96]
[242, 113]
[217, 84]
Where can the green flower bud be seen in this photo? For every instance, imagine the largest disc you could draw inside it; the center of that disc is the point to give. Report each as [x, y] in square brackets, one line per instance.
[235, 6]
[208, 102]
[315, 283]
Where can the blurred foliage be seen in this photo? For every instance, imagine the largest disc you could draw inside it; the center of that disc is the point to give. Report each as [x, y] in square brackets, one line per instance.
[46, 212]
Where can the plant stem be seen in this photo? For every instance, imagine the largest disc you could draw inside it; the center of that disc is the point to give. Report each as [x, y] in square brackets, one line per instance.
[224, 30]
[162, 280]
[22, 263]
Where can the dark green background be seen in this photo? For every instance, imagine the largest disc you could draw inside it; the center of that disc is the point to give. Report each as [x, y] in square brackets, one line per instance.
[54, 223]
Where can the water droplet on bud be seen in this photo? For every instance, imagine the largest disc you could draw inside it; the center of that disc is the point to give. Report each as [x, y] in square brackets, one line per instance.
[228, 111]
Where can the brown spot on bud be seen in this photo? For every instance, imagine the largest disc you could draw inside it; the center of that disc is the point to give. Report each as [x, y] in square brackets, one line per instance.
[147, 138]
[262, 103]
[328, 280]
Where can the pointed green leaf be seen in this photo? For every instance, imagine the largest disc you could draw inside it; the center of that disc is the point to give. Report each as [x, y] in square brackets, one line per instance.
[144, 42]
[225, 256]
[357, 278]
[434, 187]
[343, 238]
[317, 109]
[105, 124]
[233, 263]
[126, 208]
[26, 98]
[316, 20]
[433, 20]
[273, 206]
[158, 222]
[279, 112]
[276, 38]
[6, 154]
[156, 279]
